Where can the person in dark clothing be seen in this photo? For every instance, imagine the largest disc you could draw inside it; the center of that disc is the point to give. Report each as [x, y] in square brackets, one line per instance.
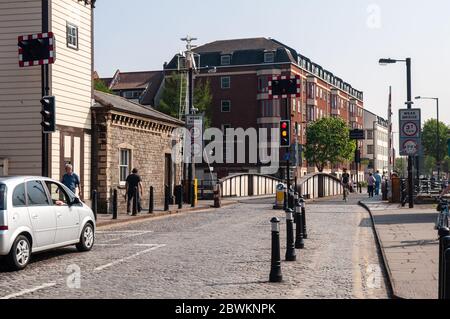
[134, 189]
[71, 180]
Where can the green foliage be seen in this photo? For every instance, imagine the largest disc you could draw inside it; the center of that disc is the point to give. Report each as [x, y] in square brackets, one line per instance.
[401, 166]
[429, 165]
[99, 85]
[170, 98]
[429, 139]
[329, 143]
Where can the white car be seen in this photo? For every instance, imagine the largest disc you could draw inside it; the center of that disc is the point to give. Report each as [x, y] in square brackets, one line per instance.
[39, 214]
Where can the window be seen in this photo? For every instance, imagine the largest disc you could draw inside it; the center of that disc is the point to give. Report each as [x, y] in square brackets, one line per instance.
[225, 60]
[72, 36]
[19, 196]
[225, 82]
[2, 197]
[36, 194]
[226, 106]
[57, 194]
[124, 165]
[270, 108]
[370, 134]
[263, 84]
[370, 149]
[131, 94]
[269, 57]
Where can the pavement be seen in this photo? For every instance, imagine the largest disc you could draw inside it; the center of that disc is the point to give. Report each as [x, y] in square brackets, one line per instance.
[409, 245]
[218, 253]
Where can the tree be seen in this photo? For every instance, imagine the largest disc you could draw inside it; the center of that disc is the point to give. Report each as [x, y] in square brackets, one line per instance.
[429, 165]
[400, 166]
[170, 97]
[429, 139]
[329, 143]
[99, 85]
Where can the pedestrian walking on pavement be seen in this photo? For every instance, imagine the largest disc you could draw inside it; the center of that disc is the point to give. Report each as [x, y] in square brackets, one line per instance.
[378, 180]
[71, 180]
[134, 189]
[371, 185]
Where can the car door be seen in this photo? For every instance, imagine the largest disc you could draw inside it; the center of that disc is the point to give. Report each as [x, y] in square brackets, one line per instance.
[42, 214]
[67, 215]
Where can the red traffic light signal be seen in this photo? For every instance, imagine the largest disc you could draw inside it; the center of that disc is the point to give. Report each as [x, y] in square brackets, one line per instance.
[285, 134]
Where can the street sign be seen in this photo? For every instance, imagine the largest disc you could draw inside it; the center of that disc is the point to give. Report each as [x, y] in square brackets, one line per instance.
[36, 49]
[410, 132]
[194, 124]
[284, 87]
[357, 135]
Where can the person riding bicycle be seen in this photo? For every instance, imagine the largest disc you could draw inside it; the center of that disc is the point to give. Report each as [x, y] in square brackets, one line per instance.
[346, 183]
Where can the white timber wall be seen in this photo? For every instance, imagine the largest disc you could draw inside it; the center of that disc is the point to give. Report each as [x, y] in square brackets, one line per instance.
[20, 89]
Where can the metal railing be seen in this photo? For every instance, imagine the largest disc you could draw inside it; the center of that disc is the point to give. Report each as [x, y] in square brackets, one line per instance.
[316, 185]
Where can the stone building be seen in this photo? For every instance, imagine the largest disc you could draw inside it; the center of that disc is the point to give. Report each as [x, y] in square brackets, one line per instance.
[127, 135]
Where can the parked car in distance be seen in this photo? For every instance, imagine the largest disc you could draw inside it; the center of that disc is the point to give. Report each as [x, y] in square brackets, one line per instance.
[39, 214]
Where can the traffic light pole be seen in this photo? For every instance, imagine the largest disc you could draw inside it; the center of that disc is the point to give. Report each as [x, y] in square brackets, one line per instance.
[410, 158]
[45, 92]
[288, 162]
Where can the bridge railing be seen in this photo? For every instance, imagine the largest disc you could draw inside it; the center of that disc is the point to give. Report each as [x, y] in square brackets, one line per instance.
[316, 185]
[319, 185]
[246, 185]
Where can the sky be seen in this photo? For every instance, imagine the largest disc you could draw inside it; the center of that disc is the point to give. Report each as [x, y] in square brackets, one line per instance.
[347, 37]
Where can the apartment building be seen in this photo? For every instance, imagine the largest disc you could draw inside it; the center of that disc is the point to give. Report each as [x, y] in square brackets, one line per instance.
[70, 80]
[239, 72]
[375, 149]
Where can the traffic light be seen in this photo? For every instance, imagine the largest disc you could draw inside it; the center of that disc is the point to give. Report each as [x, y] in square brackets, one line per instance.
[285, 133]
[48, 114]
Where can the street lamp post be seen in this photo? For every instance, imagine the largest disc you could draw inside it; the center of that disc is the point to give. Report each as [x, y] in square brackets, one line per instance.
[438, 139]
[409, 103]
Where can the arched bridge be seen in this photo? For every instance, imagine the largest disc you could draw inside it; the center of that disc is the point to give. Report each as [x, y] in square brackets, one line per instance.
[316, 185]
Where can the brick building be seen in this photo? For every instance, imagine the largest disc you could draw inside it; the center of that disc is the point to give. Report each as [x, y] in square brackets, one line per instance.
[239, 72]
[141, 87]
[127, 135]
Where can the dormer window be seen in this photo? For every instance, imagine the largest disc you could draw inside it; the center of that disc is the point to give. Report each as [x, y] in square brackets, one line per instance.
[225, 59]
[269, 57]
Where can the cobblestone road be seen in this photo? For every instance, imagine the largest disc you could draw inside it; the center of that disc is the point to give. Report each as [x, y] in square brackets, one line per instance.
[219, 254]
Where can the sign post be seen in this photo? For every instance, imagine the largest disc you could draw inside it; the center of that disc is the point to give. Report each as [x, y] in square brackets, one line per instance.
[410, 132]
[357, 135]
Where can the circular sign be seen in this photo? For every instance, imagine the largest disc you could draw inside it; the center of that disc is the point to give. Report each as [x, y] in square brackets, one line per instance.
[196, 132]
[410, 129]
[411, 147]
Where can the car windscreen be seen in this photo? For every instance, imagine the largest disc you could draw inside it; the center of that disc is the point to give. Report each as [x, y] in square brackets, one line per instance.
[2, 197]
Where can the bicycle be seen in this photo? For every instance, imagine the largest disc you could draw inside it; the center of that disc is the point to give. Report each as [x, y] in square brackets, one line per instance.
[444, 214]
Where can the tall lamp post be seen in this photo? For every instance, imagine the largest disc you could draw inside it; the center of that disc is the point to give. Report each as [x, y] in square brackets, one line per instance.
[409, 103]
[438, 140]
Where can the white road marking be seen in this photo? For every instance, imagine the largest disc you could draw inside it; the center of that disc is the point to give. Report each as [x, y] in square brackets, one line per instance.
[28, 291]
[154, 247]
[122, 231]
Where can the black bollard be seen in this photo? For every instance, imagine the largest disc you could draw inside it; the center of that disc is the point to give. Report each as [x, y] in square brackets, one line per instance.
[285, 205]
[303, 209]
[299, 242]
[446, 279]
[114, 205]
[135, 201]
[180, 196]
[275, 273]
[166, 198]
[151, 203]
[291, 199]
[95, 203]
[444, 244]
[290, 240]
[192, 195]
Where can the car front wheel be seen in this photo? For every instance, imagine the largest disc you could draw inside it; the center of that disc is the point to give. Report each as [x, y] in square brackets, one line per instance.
[87, 238]
[20, 253]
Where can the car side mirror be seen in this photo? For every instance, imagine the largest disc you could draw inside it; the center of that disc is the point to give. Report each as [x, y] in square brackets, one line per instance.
[76, 201]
